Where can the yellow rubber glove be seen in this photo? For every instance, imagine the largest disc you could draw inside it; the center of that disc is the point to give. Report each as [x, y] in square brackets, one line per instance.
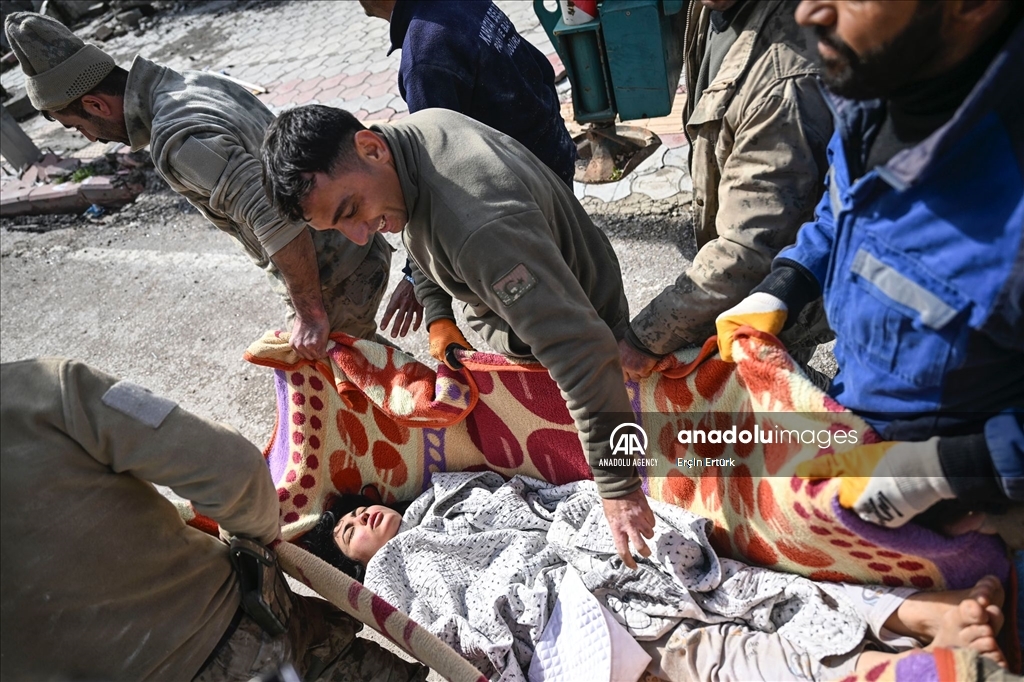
[885, 483]
[444, 336]
[763, 312]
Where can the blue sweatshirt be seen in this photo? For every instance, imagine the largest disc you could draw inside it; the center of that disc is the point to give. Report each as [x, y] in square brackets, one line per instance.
[467, 56]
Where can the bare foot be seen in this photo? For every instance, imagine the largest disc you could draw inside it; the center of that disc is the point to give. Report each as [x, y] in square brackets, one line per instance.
[975, 621]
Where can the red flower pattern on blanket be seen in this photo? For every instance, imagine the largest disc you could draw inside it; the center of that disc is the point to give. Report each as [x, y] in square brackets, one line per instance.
[374, 420]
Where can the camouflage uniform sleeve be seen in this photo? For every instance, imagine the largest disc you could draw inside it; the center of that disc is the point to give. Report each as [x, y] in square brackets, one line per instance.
[529, 285]
[215, 165]
[769, 186]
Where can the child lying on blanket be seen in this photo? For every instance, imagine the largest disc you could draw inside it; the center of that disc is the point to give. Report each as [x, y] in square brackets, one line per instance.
[478, 561]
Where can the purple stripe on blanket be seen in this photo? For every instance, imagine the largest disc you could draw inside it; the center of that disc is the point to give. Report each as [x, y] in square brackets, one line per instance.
[433, 454]
[962, 560]
[633, 391]
[278, 458]
[919, 668]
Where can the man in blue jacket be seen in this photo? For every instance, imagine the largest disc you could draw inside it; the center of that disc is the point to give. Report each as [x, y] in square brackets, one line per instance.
[467, 56]
[917, 247]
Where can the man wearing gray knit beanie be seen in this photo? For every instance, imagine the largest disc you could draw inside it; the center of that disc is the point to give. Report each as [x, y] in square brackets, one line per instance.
[205, 134]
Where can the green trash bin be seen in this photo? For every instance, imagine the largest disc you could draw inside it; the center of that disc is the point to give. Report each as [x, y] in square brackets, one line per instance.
[627, 62]
[643, 42]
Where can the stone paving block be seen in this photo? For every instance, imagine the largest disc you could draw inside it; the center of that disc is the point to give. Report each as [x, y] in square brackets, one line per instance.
[376, 103]
[398, 104]
[678, 157]
[557, 66]
[661, 184]
[325, 39]
[354, 91]
[356, 78]
[380, 89]
[609, 191]
[28, 178]
[15, 201]
[362, 56]
[336, 92]
[354, 103]
[685, 183]
[359, 67]
[100, 190]
[651, 163]
[384, 115]
[382, 77]
[62, 198]
[336, 61]
[316, 62]
[674, 140]
[377, 67]
[308, 86]
[282, 98]
[332, 81]
[296, 73]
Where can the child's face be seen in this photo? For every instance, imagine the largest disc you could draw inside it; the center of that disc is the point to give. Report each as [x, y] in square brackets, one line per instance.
[361, 532]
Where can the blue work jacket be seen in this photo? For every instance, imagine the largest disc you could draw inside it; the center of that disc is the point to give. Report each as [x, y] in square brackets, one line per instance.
[921, 261]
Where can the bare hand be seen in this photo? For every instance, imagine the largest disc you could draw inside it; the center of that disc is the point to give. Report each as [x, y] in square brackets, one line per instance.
[635, 365]
[406, 310]
[631, 520]
[309, 338]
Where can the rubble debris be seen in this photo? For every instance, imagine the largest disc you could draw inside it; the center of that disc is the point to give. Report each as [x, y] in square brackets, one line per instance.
[103, 33]
[56, 185]
[130, 18]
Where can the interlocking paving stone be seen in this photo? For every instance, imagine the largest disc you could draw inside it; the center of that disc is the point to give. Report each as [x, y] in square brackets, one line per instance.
[331, 52]
[661, 184]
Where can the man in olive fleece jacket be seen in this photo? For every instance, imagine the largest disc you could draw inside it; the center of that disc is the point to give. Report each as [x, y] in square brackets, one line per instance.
[102, 580]
[487, 224]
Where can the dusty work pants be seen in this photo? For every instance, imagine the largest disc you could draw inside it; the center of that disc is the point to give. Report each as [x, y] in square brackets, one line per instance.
[733, 652]
[320, 642]
[351, 302]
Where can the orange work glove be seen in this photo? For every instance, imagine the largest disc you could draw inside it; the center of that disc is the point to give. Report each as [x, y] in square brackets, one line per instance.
[444, 337]
[763, 312]
[886, 483]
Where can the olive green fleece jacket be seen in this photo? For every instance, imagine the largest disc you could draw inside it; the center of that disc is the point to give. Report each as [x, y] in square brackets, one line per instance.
[102, 580]
[493, 227]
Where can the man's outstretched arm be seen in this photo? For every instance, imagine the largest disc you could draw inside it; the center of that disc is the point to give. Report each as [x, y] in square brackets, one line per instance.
[298, 267]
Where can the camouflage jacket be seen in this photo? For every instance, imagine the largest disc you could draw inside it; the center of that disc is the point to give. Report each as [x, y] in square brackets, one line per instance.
[757, 135]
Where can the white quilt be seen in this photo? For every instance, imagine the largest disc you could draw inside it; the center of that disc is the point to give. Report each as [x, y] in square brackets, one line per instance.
[478, 562]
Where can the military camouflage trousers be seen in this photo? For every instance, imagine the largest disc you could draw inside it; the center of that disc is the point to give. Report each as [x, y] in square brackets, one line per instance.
[351, 302]
[320, 643]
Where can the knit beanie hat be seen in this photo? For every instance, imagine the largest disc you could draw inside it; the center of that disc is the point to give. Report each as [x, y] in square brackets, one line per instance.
[58, 66]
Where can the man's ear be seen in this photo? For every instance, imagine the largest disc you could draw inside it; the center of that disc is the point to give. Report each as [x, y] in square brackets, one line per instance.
[371, 147]
[971, 14]
[97, 106]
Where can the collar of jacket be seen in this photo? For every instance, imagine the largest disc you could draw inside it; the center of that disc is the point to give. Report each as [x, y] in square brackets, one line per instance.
[401, 17]
[859, 121]
[719, 93]
[404, 154]
[143, 78]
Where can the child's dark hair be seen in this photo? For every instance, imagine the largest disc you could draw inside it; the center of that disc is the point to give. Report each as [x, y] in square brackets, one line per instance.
[320, 540]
